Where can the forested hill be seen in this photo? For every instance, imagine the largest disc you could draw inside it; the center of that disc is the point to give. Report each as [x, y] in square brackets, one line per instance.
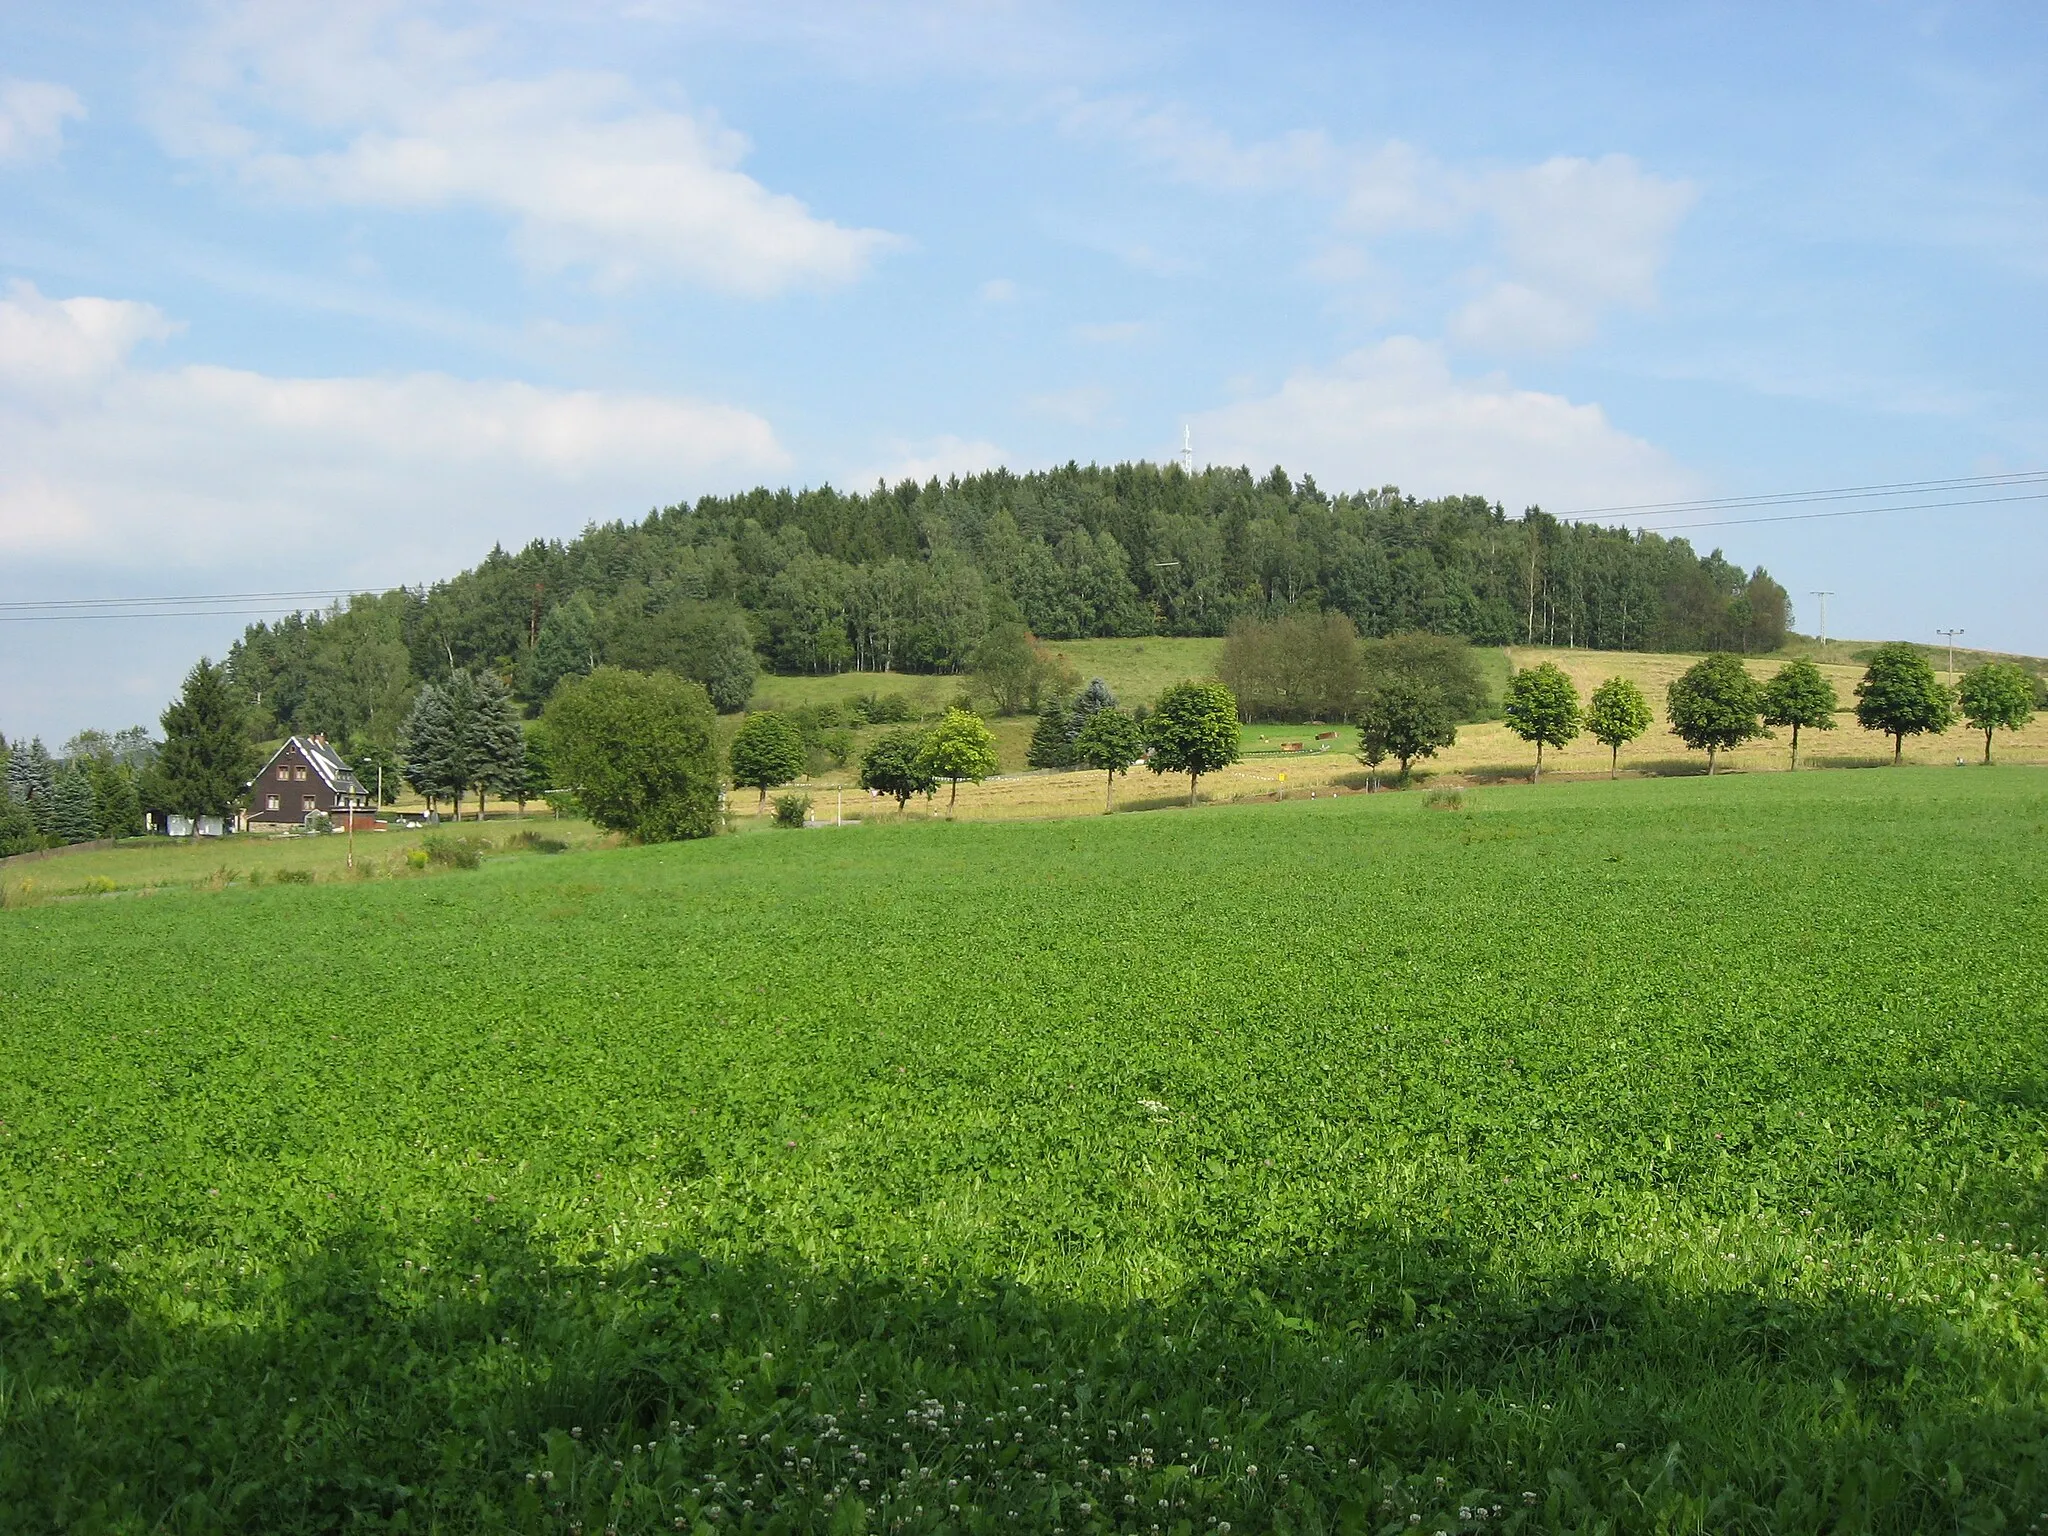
[910, 578]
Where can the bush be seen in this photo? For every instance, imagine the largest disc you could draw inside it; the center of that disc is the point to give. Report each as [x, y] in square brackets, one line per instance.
[318, 823]
[1444, 800]
[882, 709]
[293, 877]
[455, 852]
[98, 885]
[536, 842]
[641, 751]
[415, 858]
[792, 810]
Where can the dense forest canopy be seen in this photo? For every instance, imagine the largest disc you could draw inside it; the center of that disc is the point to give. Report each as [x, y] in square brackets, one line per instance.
[910, 578]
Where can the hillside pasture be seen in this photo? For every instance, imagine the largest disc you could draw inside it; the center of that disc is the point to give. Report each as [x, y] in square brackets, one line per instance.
[1656, 1156]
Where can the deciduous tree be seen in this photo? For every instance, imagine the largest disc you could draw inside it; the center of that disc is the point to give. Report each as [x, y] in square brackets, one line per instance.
[959, 747]
[1619, 714]
[1542, 706]
[1192, 730]
[894, 765]
[1408, 716]
[1799, 696]
[1109, 743]
[640, 751]
[767, 753]
[1901, 696]
[1715, 704]
[1997, 695]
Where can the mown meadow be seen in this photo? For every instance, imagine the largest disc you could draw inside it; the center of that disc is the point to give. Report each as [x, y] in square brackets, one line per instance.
[1662, 1155]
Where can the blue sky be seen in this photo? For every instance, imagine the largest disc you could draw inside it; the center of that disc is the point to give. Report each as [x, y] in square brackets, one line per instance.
[304, 297]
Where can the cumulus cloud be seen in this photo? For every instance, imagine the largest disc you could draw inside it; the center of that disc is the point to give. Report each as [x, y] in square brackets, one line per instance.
[32, 117]
[936, 458]
[359, 106]
[1396, 414]
[130, 466]
[1560, 242]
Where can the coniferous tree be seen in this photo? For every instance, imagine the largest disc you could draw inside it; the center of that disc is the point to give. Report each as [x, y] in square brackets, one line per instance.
[1052, 739]
[430, 744]
[206, 761]
[566, 646]
[117, 806]
[71, 806]
[497, 747]
[18, 833]
[31, 778]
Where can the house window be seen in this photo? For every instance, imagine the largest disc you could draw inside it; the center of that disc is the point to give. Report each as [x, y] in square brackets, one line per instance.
[299, 774]
[284, 771]
[307, 803]
[270, 803]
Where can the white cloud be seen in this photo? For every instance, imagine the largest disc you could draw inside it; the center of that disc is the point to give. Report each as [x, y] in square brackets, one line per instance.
[360, 107]
[1562, 241]
[999, 290]
[1395, 414]
[1109, 332]
[1576, 237]
[936, 458]
[32, 117]
[1193, 150]
[136, 467]
[1083, 405]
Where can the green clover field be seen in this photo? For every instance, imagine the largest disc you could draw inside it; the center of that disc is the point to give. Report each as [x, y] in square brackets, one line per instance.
[1665, 1155]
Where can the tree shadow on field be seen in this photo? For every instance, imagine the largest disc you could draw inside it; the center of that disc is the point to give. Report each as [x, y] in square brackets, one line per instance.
[489, 1385]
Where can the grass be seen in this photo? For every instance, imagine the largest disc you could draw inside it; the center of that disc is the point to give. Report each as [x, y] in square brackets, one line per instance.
[1665, 1155]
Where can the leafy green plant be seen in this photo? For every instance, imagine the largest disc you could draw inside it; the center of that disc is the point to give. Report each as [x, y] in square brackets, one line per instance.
[293, 877]
[536, 842]
[1448, 799]
[1543, 707]
[1715, 704]
[792, 810]
[453, 850]
[1094, 1161]
[1619, 714]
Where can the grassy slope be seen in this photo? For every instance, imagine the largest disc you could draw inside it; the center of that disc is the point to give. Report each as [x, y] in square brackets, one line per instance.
[1326, 1133]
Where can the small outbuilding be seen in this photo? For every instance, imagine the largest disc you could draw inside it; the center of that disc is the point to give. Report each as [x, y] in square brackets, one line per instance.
[303, 776]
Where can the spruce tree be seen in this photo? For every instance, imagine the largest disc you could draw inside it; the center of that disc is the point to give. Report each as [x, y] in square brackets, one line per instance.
[71, 806]
[497, 747]
[428, 744]
[30, 781]
[206, 761]
[1052, 739]
[117, 808]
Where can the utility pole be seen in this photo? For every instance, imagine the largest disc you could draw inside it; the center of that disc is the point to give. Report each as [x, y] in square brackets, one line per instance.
[1950, 636]
[1823, 596]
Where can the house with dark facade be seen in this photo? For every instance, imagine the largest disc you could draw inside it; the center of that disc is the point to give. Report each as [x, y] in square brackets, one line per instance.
[303, 776]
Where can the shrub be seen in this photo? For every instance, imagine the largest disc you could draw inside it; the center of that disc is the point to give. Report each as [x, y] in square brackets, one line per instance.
[293, 877]
[415, 858]
[792, 810]
[318, 823]
[640, 751]
[455, 852]
[98, 885]
[882, 709]
[1444, 800]
[536, 842]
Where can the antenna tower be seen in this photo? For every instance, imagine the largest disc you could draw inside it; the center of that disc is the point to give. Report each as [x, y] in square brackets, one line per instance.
[1187, 450]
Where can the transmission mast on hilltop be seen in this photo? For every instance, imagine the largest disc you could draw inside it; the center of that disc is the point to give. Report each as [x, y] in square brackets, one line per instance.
[1187, 450]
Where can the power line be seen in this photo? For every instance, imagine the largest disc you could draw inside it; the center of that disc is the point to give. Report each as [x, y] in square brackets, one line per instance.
[210, 597]
[1801, 517]
[136, 613]
[1825, 493]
